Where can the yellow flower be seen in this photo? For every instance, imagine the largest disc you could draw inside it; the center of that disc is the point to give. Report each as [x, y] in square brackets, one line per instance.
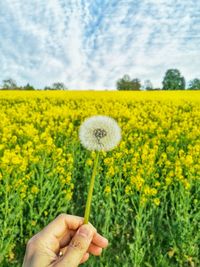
[153, 191]
[111, 171]
[186, 184]
[128, 190]
[156, 201]
[11, 255]
[107, 189]
[138, 181]
[143, 200]
[68, 179]
[147, 190]
[16, 160]
[45, 213]
[157, 184]
[89, 162]
[168, 180]
[33, 223]
[34, 189]
[2, 146]
[68, 196]
[59, 152]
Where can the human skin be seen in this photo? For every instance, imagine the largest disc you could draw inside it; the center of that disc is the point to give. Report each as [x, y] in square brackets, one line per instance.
[66, 235]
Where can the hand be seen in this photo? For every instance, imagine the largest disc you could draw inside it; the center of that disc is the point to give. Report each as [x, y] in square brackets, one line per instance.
[66, 236]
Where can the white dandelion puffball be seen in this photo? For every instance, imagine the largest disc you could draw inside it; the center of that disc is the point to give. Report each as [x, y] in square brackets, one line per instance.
[100, 133]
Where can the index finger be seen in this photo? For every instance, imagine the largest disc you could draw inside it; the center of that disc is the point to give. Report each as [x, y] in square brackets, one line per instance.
[62, 224]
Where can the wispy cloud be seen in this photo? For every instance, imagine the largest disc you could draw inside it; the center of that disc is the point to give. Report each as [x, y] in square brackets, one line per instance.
[92, 43]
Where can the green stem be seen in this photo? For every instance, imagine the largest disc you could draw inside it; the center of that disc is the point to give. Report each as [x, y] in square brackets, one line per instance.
[90, 191]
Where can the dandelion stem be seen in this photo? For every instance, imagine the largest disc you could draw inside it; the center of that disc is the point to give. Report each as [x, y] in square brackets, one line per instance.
[90, 191]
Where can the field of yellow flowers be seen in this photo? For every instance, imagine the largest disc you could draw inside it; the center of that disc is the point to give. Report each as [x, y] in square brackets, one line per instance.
[146, 196]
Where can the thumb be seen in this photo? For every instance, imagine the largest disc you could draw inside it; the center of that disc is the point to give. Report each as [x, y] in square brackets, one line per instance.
[78, 246]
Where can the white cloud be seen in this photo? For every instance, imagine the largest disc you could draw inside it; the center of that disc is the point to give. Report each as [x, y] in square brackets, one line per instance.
[90, 44]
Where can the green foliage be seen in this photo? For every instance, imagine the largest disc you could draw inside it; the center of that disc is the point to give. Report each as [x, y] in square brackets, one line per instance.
[173, 80]
[59, 86]
[148, 85]
[47, 88]
[56, 86]
[126, 83]
[9, 84]
[194, 84]
[136, 85]
[28, 87]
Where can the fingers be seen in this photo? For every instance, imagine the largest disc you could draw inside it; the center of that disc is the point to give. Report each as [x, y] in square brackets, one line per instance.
[93, 249]
[96, 251]
[85, 257]
[61, 224]
[64, 241]
[97, 240]
[100, 241]
[78, 246]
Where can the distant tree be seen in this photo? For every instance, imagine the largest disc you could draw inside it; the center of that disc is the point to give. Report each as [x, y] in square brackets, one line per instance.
[136, 85]
[148, 85]
[194, 84]
[173, 80]
[47, 88]
[9, 84]
[58, 86]
[28, 87]
[126, 83]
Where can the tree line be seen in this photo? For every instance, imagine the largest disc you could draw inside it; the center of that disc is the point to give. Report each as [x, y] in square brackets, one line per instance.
[10, 84]
[173, 80]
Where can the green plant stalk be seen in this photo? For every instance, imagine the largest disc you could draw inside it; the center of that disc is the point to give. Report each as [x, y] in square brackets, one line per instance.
[90, 191]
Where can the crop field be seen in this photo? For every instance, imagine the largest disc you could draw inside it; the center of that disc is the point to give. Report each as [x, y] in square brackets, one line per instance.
[147, 191]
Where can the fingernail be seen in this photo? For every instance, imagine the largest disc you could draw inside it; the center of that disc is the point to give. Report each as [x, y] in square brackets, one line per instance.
[105, 240]
[84, 231]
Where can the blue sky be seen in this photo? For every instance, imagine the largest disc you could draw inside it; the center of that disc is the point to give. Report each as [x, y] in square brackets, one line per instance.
[89, 44]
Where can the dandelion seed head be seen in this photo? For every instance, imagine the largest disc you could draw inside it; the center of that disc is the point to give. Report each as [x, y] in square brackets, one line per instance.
[100, 133]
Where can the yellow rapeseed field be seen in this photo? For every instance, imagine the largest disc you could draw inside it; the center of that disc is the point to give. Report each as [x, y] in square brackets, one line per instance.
[146, 198]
